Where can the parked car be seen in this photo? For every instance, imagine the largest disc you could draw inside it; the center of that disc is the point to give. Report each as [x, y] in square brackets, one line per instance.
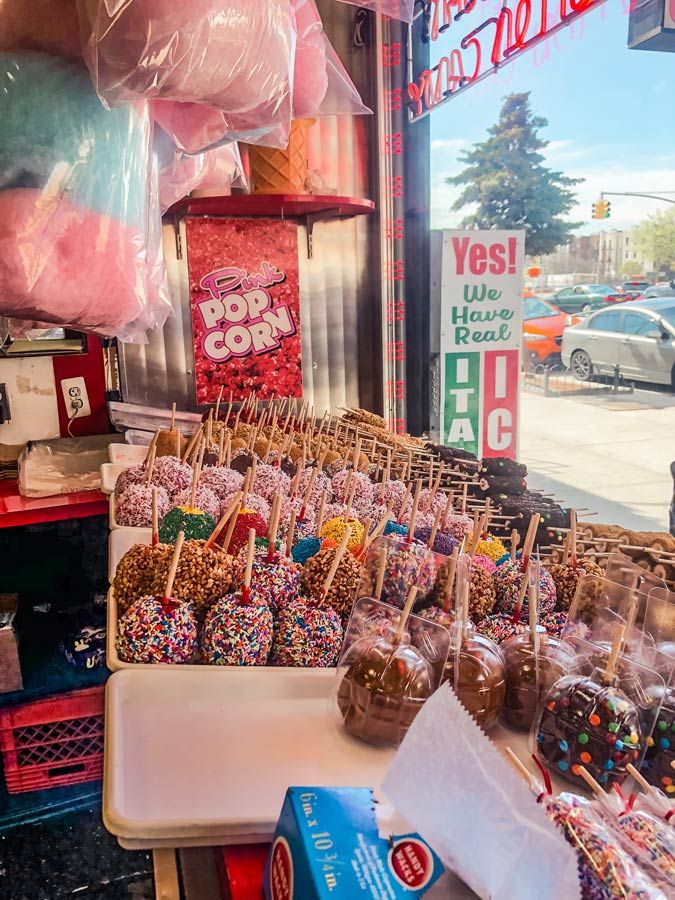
[543, 327]
[639, 338]
[660, 290]
[583, 298]
[636, 286]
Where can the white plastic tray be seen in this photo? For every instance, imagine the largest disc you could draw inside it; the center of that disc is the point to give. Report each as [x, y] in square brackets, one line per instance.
[115, 664]
[122, 539]
[127, 454]
[109, 473]
[191, 757]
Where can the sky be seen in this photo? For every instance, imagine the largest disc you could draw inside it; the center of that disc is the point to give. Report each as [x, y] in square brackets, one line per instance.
[610, 112]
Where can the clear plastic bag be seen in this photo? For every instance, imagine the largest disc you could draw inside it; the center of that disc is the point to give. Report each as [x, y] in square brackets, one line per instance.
[215, 170]
[321, 85]
[395, 9]
[80, 240]
[385, 675]
[234, 55]
[606, 870]
[192, 127]
[49, 25]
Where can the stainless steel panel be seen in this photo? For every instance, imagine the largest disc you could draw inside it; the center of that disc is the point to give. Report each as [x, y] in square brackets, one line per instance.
[339, 286]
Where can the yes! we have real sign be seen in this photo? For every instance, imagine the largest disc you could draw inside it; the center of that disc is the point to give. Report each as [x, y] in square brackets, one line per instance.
[481, 339]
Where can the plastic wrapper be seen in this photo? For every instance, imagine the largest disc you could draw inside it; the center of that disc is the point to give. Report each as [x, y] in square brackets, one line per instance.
[48, 25]
[385, 676]
[214, 171]
[63, 466]
[395, 9]
[505, 847]
[599, 720]
[321, 85]
[406, 563]
[234, 55]
[192, 127]
[606, 869]
[76, 184]
[534, 662]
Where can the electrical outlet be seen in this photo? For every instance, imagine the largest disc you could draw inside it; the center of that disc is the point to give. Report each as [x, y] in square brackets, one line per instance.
[75, 389]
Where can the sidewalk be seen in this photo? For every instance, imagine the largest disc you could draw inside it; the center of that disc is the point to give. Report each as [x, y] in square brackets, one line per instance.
[609, 454]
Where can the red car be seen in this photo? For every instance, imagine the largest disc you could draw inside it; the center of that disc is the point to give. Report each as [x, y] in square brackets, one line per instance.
[543, 327]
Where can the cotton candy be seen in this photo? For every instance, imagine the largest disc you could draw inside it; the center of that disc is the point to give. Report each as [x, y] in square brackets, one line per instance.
[235, 55]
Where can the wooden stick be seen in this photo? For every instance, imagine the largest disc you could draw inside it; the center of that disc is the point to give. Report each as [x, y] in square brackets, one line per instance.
[404, 504]
[379, 528]
[273, 528]
[335, 564]
[250, 553]
[466, 584]
[155, 518]
[150, 464]
[405, 615]
[591, 782]
[321, 513]
[307, 493]
[218, 401]
[450, 582]
[566, 548]
[415, 507]
[233, 522]
[639, 778]
[221, 447]
[228, 451]
[193, 440]
[173, 416]
[366, 531]
[379, 581]
[465, 494]
[196, 472]
[174, 565]
[178, 445]
[518, 764]
[475, 535]
[434, 529]
[226, 418]
[291, 532]
[573, 537]
[515, 538]
[224, 519]
[350, 501]
[617, 641]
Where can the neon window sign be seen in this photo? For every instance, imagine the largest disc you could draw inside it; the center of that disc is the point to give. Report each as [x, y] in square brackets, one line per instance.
[480, 46]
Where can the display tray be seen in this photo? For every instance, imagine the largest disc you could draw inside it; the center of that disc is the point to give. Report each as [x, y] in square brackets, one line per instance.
[127, 454]
[192, 757]
[109, 473]
[115, 664]
[120, 540]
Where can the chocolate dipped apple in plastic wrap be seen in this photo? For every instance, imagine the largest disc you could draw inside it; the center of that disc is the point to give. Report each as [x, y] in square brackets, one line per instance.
[384, 680]
[534, 661]
[599, 720]
[476, 668]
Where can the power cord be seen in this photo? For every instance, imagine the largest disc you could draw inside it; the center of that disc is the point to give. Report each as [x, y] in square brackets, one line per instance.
[77, 406]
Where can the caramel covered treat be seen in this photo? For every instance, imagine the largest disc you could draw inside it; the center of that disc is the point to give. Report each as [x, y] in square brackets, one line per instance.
[530, 673]
[135, 573]
[342, 591]
[480, 681]
[203, 575]
[566, 578]
[383, 689]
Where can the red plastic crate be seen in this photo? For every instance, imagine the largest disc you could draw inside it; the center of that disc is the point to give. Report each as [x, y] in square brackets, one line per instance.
[53, 742]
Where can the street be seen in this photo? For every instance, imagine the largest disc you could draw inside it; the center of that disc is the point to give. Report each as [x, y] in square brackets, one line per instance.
[610, 454]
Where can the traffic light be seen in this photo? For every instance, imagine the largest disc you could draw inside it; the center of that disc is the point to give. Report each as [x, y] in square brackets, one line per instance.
[602, 209]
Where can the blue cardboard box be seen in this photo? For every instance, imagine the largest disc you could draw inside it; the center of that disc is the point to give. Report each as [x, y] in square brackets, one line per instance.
[327, 844]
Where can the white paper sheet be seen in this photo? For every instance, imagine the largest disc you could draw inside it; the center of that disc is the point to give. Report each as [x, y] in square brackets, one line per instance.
[460, 793]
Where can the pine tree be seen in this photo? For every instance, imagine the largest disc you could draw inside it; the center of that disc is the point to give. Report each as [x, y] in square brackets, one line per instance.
[505, 177]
